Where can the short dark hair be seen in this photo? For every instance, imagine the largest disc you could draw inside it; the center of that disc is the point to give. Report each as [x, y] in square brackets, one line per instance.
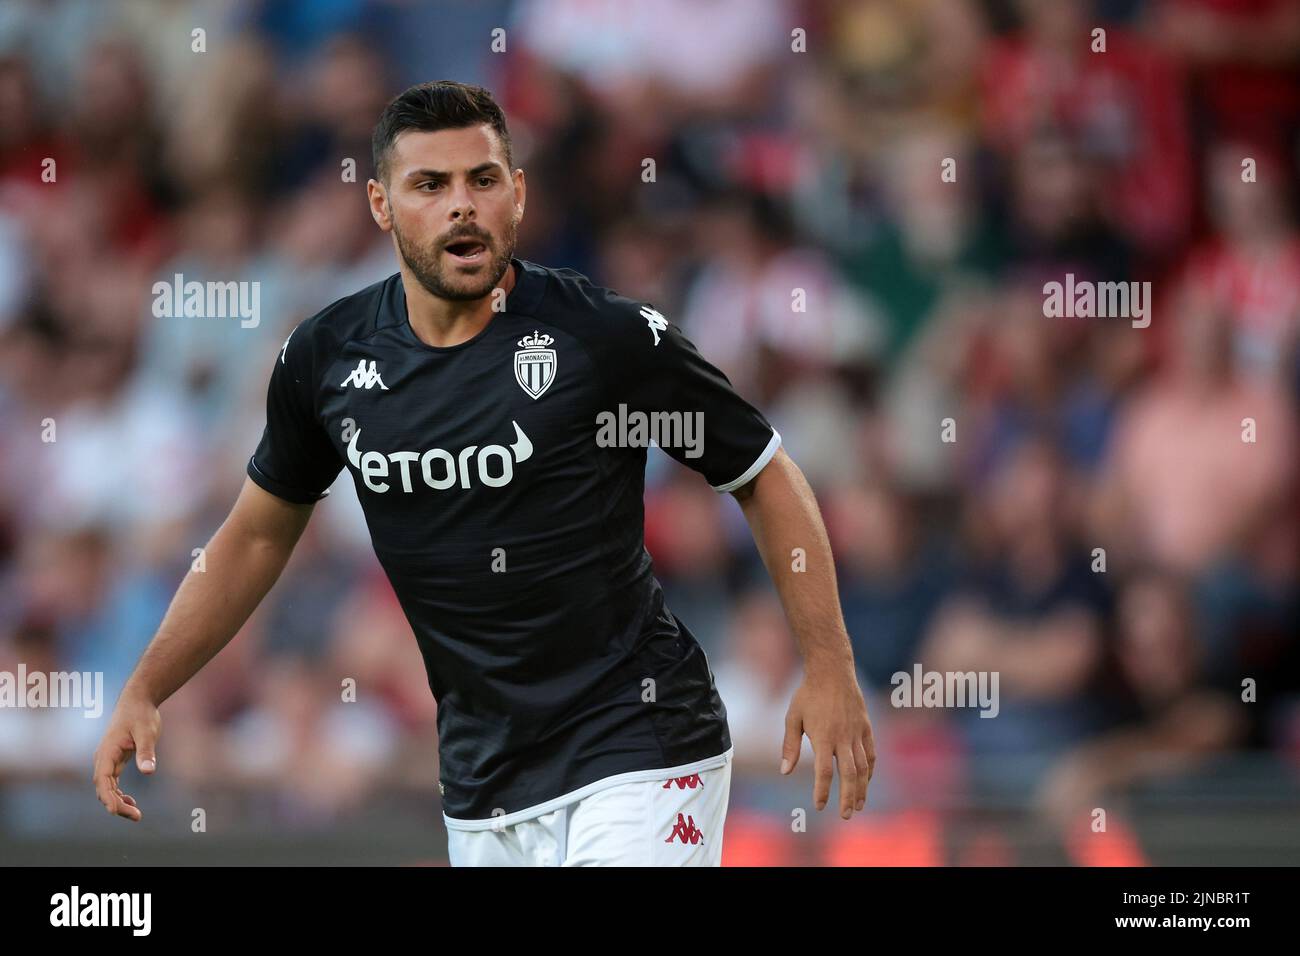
[438, 104]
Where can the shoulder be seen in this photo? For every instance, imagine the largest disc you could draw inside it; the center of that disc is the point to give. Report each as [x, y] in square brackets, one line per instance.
[601, 317]
[319, 337]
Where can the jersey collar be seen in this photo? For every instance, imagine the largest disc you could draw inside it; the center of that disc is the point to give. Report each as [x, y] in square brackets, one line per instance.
[530, 283]
[524, 298]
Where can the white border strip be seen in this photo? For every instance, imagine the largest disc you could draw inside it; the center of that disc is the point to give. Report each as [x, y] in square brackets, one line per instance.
[756, 467]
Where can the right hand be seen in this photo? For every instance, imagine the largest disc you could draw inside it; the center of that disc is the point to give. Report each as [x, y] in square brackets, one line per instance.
[134, 727]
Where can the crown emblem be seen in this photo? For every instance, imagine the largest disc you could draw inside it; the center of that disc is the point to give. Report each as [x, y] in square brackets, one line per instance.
[535, 341]
[535, 363]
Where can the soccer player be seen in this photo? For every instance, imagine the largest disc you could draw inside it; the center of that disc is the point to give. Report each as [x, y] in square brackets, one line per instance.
[493, 416]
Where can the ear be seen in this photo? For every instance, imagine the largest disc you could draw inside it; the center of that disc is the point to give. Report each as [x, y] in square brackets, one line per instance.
[379, 210]
[521, 194]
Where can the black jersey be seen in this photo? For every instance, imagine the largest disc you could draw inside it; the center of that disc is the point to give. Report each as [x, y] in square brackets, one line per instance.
[502, 483]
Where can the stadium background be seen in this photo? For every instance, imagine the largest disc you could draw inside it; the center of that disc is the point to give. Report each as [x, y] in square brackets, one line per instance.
[776, 170]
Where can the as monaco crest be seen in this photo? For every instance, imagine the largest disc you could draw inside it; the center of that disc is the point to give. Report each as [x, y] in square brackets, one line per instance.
[535, 364]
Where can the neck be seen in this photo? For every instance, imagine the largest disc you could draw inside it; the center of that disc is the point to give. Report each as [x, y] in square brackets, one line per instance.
[443, 322]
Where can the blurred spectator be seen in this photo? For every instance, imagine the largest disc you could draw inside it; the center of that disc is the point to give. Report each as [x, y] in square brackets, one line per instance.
[892, 579]
[1187, 485]
[1242, 56]
[1034, 613]
[1171, 720]
[1122, 108]
[1249, 270]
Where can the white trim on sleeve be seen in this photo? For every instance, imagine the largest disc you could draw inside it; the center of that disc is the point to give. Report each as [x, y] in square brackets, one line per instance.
[764, 457]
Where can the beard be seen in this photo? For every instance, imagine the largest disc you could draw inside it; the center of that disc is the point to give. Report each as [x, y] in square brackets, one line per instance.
[444, 280]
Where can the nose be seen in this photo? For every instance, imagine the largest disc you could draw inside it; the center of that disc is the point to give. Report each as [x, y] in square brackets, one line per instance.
[462, 209]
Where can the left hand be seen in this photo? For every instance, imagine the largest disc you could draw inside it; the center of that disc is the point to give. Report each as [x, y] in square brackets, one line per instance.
[830, 709]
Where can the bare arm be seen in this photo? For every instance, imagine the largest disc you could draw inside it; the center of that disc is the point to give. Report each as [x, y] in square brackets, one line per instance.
[783, 515]
[242, 561]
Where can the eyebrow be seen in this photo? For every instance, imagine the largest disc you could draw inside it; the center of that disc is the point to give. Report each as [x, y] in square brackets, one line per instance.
[489, 166]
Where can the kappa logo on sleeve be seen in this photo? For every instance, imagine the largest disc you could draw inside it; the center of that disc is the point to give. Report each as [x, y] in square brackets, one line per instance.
[655, 320]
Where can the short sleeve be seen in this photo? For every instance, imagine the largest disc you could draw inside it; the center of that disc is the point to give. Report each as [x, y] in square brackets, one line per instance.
[717, 432]
[295, 459]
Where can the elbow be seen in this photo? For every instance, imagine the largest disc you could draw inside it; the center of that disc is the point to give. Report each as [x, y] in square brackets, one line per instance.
[779, 472]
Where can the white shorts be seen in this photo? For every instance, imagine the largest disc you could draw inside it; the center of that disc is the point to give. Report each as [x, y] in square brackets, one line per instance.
[674, 821]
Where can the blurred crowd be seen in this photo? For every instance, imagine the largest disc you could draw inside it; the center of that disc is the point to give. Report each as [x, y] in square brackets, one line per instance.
[1078, 504]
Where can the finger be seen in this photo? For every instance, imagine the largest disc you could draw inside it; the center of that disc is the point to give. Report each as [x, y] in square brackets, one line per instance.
[146, 759]
[119, 803]
[109, 762]
[864, 776]
[869, 745]
[848, 765]
[823, 761]
[793, 741]
[107, 766]
[126, 808]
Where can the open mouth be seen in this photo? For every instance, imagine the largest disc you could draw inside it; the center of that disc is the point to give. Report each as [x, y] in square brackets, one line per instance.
[467, 250]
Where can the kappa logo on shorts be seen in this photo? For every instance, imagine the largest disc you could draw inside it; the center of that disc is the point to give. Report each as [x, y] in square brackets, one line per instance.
[692, 782]
[686, 830]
